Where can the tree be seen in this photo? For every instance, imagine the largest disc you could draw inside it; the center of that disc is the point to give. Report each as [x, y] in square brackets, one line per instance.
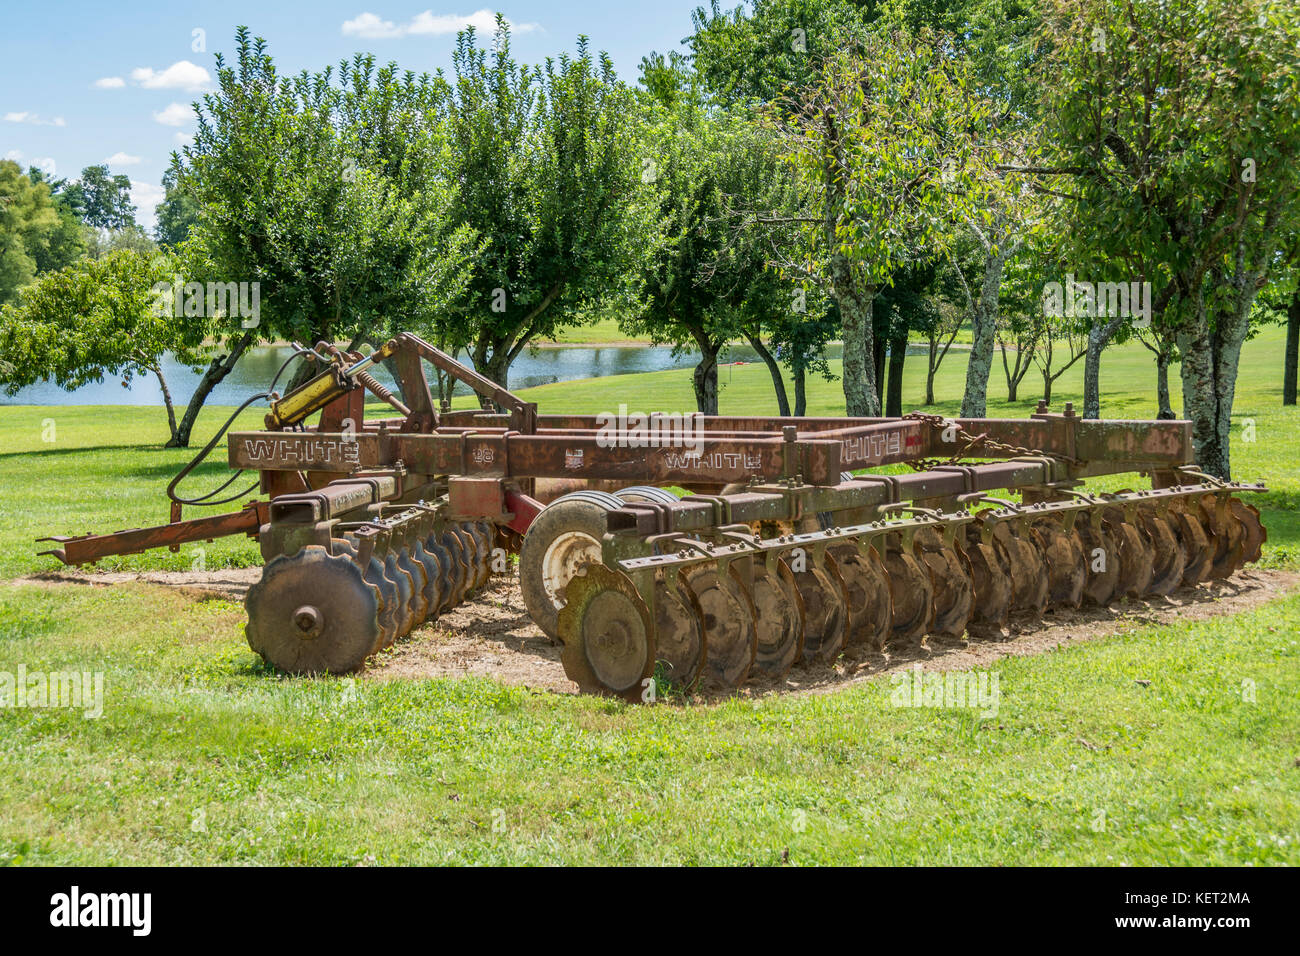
[1045, 355]
[875, 147]
[66, 242]
[95, 318]
[550, 181]
[178, 213]
[328, 190]
[100, 199]
[706, 281]
[1177, 126]
[37, 232]
[905, 305]
[771, 50]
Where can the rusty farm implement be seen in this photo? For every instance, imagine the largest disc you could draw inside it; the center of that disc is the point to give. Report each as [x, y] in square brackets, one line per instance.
[787, 548]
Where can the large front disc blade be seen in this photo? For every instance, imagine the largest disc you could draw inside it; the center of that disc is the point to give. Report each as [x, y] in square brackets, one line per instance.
[312, 613]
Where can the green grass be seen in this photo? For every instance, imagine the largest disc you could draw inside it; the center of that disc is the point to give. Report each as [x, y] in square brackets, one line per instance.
[600, 332]
[202, 755]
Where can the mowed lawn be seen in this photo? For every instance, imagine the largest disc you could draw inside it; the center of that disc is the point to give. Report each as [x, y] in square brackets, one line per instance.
[202, 755]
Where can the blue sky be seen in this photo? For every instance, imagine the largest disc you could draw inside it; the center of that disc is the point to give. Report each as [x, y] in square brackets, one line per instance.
[88, 82]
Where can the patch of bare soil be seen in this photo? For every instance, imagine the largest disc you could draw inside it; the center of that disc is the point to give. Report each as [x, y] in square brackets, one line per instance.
[492, 634]
[228, 584]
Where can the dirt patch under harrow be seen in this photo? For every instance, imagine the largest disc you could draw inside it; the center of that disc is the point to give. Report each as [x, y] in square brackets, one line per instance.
[492, 635]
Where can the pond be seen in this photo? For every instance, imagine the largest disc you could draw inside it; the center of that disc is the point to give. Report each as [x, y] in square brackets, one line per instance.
[255, 370]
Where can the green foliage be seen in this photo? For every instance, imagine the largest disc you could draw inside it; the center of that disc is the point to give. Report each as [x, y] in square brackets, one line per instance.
[708, 280]
[550, 180]
[100, 199]
[178, 213]
[772, 49]
[95, 318]
[1179, 127]
[304, 186]
[37, 234]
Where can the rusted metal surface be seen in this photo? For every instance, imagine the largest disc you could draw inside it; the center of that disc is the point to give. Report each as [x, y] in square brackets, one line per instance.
[88, 548]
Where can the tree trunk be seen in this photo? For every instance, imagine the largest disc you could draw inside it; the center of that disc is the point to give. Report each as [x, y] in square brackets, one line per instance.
[1166, 412]
[1013, 380]
[1016, 373]
[1099, 336]
[894, 393]
[1292, 349]
[494, 365]
[217, 370]
[800, 390]
[930, 370]
[878, 349]
[984, 319]
[1092, 373]
[1045, 367]
[167, 401]
[1209, 374]
[855, 304]
[706, 380]
[778, 383]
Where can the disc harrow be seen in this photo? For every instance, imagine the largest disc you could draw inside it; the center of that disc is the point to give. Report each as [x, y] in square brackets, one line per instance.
[942, 573]
[793, 547]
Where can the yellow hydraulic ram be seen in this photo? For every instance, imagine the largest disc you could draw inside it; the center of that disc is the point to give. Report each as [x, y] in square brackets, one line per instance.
[335, 381]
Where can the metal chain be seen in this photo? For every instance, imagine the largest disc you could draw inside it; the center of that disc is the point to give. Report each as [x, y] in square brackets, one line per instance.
[982, 440]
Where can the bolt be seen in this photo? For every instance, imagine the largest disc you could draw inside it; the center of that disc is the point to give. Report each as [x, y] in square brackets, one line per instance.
[308, 620]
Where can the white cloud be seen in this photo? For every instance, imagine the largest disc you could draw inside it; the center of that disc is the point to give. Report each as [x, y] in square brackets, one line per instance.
[45, 164]
[146, 197]
[181, 75]
[34, 119]
[110, 83]
[372, 27]
[122, 159]
[182, 139]
[176, 114]
[14, 156]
